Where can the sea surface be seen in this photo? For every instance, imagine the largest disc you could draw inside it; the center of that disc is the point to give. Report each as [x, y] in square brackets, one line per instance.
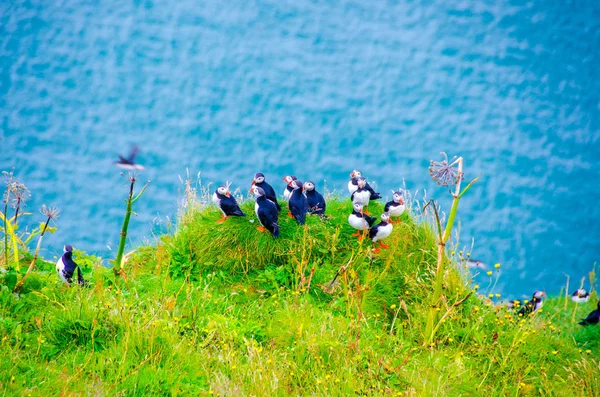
[315, 89]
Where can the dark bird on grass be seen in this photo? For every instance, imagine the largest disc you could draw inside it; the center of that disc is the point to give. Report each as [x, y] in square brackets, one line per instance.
[266, 212]
[380, 231]
[592, 318]
[288, 189]
[358, 220]
[66, 266]
[298, 204]
[353, 185]
[259, 181]
[580, 296]
[395, 207]
[527, 307]
[226, 203]
[128, 163]
[362, 194]
[316, 202]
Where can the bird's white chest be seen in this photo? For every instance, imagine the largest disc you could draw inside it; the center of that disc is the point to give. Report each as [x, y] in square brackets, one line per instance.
[396, 210]
[256, 211]
[383, 232]
[362, 197]
[60, 267]
[287, 194]
[352, 187]
[216, 200]
[358, 222]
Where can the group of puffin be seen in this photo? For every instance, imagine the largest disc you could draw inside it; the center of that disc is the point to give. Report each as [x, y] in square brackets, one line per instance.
[303, 198]
[537, 301]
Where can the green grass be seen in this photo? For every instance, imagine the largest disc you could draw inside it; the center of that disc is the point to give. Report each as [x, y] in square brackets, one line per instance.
[228, 310]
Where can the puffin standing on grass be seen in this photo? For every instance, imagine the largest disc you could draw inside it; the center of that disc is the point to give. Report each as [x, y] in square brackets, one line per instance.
[353, 185]
[259, 181]
[592, 318]
[266, 212]
[287, 193]
[380, 231]
[298, 204]
[316, 202]
[65, 267]
[362, 195]
[226, 203]
[358, 220]
[395, 207]
[580, 296]
[530, 306]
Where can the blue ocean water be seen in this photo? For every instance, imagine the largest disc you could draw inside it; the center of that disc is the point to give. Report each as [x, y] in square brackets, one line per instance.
[315, 89]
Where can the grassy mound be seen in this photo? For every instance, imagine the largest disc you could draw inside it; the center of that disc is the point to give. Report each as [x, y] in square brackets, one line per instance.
[227, 310]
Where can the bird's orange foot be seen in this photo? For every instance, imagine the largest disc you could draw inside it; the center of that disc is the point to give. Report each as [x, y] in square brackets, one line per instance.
[356, 234]
[360, 237]
[376, 250]
[221, 220]
[261, 229]
[382, 245]
[291, 215]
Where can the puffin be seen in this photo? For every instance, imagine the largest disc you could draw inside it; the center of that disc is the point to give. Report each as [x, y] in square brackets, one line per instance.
[353, 185]
[266, 212]
[316, 202]
[592, 318]
[360, 221]
[65, 267]
[226, 203]
[298, 204]
[362, 194]
[531, 306]
[395, 207]
[580, 296]
[128, 163]
[380, 231]
[288, 189]
[259, 180]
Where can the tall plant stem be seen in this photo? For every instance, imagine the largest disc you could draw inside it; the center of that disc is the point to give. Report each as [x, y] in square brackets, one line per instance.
[118, 268]
[5, 227]
[443, 238]
[32, 264]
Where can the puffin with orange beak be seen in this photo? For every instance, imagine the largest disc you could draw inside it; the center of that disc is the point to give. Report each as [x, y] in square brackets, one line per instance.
[395, 207]
[226, 203]
[360, 221]
[259, 181]
[353, 185]
[287, 193]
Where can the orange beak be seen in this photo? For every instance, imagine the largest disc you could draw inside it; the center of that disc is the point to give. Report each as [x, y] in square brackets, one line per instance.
[228, 194]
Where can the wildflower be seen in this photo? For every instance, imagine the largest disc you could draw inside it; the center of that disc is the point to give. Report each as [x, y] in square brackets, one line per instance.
[491, 295]
[489, 273]
[497, 295]
[51, 212]
[393, 307]
[476, 287]
[497, 266]
[444, 173]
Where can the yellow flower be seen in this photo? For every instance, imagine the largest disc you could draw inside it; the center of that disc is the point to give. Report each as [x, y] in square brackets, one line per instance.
[497, 295]
[489, 273]
[497, 266]
[393, 307]
[476, 287]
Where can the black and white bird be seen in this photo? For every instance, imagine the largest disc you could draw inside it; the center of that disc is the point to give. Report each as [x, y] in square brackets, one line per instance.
[580, 296]
[316, 202]
[266, 212]
[380, 231]
[128, 163]
[226, 202]
[358, 220]
[528, 307]
[353, 185]
[592, 318]
[288, 189]
[395, 207]
[298, 204]
[66, 266]
[259, 181]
